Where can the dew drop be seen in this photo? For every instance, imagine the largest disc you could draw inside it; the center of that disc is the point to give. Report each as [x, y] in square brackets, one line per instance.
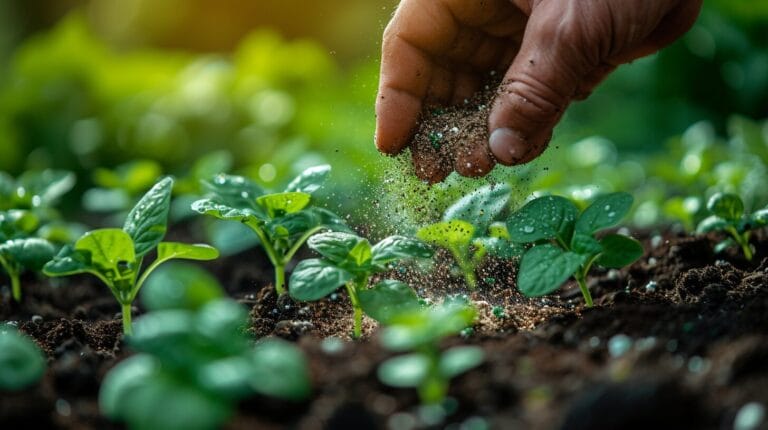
[528, 229]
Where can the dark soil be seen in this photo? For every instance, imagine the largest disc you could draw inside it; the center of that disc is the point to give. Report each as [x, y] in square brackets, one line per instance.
[677, 340]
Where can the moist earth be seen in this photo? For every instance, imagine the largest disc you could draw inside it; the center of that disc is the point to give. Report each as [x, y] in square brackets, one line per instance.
[677, 340]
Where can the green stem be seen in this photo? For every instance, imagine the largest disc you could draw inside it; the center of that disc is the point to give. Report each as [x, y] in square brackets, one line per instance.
[280, 279]
[357, 331]
[581, 280]
[434, 388]
[466, 268]
[127, 329]
[15, 286]
[744, 242]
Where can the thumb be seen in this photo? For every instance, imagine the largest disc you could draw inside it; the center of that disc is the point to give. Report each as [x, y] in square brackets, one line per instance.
[544, 77]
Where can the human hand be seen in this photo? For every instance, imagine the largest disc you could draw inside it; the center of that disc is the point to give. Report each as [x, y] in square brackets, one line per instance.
[553, 51]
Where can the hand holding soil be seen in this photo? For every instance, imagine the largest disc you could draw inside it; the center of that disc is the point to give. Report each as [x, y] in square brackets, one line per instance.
[442, 52]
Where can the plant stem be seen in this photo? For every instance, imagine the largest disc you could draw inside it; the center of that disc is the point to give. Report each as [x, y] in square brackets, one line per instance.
[581, 280]
[744, 242]
[434, 388]
[467, 268]
[357, 331]
[127, 329]
[280, 279]
[15, 286]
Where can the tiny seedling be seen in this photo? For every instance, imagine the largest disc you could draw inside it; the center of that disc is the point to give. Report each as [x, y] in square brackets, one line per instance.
[193, 367]
[728, 216]
[17, 255]
[115, 256]
[426, 367]
[22, 363]
[282, 221]
[350, 260]
[564, 242]
[468, 230]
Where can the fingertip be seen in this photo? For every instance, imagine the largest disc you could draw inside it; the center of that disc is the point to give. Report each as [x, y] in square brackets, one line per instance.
[474, 160]
[396, 115]
[508, 146]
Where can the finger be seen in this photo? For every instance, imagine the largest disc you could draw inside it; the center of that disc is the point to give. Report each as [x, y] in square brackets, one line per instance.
[538, 86]
[440, 87]
[465, 85]
[430, 165]
[593, 80]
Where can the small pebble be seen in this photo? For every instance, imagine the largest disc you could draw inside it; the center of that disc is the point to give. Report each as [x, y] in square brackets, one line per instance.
[613, 275]
[401, 421]
[651, 286]
[656, 241]
[619, 345]
[332, 345]
[63, 408]
[37, 319]
[594, 342]
[652, 262]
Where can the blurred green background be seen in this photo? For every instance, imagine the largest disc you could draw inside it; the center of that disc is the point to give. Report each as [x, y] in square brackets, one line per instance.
[90, 85]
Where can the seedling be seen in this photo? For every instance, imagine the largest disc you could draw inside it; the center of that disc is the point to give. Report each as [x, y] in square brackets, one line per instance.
[116, 255]
[17, 255]
[282, 221]
[728, 216]
[564, 242]
[193, 366]
[21, 362]
[350, 260]
[468, 230]
[426, 367]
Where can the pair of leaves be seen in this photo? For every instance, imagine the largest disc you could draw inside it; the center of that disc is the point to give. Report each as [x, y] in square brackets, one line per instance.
[418, 327]
[348, 257]
[728, 211]
[546, 266]
[413, 370]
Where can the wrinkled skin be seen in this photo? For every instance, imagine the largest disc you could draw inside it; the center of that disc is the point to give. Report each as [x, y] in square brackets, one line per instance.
[551, 51]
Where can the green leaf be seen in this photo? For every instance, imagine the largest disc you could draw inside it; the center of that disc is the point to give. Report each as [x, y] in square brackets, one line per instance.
[425, 326]
[314, 279]
[447, 234]
[281, 204]
[361, 253]
[229, 213]
[122, 382]
[585, 244]
[725, 244]
[148, 220]
[619, 251]
[498, 230]
[186, 251]
[310, 180]
[236, 192]
[543, 218]
[107, 247]
[727, 206]
[544, 268]
[180, 286]
[759, 218]
[404, 371]
[335, 246]
[501, 248]
[460, 359]
[69, 262]
[31, 253]
[480, 207]
[395, 248]
[712, 223]
[133, 176]
[22, 363]
[386, 299]
[279, 370]
[48, 185]
[606, 211]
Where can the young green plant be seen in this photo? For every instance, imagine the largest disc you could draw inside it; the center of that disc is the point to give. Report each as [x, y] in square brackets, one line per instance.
[350, 260]
[193, 367]
[729, 217]
[22, 363]
[468, 230]
[426, 367]
[564, 242]
[282, 221]
[115, 256]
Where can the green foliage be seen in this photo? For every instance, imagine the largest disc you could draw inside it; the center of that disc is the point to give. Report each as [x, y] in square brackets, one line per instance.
[179, 285]
[22, 363]
[116, 255]
[728, 216]
[282, 221]
[468, 230]
[564, 242]
[17, 255]
[350, 260]
[420, 330]
[194, 366]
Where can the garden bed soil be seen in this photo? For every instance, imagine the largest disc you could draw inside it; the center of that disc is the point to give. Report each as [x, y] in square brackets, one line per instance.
[677, 340]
